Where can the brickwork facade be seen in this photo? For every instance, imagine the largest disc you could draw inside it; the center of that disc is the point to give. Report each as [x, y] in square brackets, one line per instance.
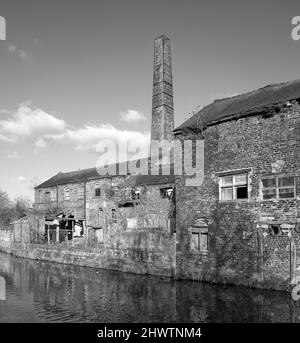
[262, 146]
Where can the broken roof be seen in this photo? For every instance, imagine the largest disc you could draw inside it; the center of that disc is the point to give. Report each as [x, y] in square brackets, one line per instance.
[242, 105]
[94, 173]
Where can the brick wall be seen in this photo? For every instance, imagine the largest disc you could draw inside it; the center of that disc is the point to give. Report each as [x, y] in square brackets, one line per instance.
[267, 145]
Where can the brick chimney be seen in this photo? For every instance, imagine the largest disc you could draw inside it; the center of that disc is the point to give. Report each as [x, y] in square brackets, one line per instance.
[162, 100]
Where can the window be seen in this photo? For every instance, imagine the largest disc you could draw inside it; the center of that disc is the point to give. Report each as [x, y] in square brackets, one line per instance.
[233, 187]
[278, 187]
[114, 215]
[53, 195]
[80, 191]
[40, 197]
[97, 191]
[47, 196]
[137, 194]
[166, 193]
[199, 241]
[67, 193]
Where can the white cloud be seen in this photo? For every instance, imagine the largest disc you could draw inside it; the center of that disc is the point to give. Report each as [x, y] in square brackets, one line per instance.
[21, 179]
[27, 122]
[89, 137]
[13, 156]
[12, 49]
[131, 116]
[41, 128]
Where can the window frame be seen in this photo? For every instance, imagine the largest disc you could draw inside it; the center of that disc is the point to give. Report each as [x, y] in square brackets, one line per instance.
[200, 231]
[97, 188]
[53, 195]
[234, 185]
[277, 187]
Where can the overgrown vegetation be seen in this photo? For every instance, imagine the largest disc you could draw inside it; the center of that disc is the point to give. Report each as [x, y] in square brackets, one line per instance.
[11, 210]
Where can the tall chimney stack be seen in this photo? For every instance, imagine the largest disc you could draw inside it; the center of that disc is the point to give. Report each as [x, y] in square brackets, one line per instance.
[162, 101]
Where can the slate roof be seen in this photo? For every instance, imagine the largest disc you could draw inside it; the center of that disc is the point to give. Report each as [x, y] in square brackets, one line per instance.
[243, 104]
[92, 174]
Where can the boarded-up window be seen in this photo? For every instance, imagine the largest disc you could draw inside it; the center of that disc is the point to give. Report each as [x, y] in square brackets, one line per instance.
[199, 239]
[99, 235]
[203, 241]
[195, 241]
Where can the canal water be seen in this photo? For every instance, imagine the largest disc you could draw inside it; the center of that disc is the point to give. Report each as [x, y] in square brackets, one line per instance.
[33, 291]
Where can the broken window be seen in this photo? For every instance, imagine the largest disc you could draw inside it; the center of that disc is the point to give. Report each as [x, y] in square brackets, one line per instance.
[278, 187]
[166, 193]
[137, 194]
[233, 187]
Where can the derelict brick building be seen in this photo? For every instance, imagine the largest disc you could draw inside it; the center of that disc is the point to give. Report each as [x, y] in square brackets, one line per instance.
[242, 225]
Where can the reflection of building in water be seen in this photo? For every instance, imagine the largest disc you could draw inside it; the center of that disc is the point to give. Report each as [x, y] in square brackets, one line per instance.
[2, 288]
[42, 291]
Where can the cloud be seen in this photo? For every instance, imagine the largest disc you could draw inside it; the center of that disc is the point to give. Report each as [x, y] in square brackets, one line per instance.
[2, 110]
[13, 156]
[12, 49]
[90, 137]
[131, 116]
[29, 123]
[21, 179]
[42, 129]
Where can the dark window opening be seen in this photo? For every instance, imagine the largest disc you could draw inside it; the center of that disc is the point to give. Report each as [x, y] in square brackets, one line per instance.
[242, 192]
[166, 193]
[97, 192]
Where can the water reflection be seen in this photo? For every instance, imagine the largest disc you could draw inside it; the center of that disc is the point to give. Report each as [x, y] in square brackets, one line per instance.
[48, 292]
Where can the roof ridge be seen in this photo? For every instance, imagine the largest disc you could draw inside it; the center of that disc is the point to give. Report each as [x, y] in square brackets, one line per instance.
[243, 103]
[255, 90]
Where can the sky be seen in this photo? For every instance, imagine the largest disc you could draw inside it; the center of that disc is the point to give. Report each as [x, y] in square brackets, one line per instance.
[75, 71]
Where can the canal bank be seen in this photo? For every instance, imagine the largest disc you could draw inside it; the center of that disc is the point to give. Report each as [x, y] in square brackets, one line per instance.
[152, 252]
[136, 260]
[39, 291]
